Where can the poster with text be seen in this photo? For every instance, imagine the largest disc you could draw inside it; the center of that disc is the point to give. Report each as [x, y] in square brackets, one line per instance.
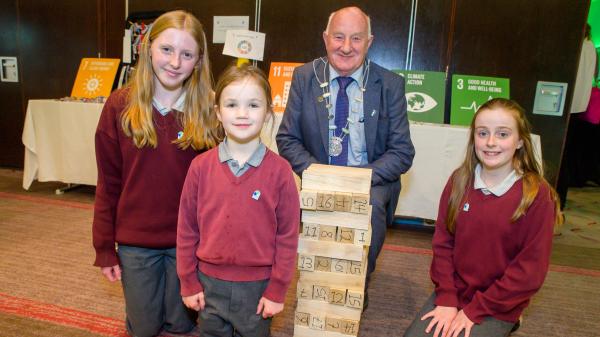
[425, 95]
[470, 92]
[95, 77]
[280, 78]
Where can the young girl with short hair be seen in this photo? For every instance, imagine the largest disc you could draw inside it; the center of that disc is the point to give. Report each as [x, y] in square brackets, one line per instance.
[493, 234]
[238, 218]
[147, 136]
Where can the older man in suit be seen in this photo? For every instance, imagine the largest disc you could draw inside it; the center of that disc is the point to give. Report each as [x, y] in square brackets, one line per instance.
[345, 110]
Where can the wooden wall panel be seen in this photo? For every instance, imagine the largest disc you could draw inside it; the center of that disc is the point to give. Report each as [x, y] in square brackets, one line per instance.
[432, 28]
[53, 37]
[294, 30]
[50, 38]
[526, 41]
[204, 11]
[11, 117]
[111, 24]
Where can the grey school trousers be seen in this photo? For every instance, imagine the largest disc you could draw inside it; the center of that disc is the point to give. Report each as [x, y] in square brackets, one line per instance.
[230, 308]
[489, 327]
[151, 288]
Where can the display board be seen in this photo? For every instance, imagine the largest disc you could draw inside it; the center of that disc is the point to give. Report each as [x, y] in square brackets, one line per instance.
[280, 78]
[95, 77]
[425, 95]
[470, 92]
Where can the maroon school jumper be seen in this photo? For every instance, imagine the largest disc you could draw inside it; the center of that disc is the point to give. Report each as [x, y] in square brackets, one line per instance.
[492, 266]
[137, 195]
[238, 228]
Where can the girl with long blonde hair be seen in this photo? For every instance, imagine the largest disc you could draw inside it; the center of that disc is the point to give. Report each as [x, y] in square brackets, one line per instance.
[147, 136]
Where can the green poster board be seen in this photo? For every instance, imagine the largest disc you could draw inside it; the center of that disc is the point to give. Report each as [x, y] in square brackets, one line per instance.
[470, 92]
[425, 95]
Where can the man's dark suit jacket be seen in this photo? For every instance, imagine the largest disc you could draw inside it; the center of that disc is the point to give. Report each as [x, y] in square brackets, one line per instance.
[303, 135]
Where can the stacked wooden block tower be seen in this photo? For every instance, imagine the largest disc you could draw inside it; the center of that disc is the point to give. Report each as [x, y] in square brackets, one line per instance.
[332, 250]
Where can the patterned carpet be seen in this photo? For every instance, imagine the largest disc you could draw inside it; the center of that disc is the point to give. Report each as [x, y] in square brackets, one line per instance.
[48, 286]
[582, 225]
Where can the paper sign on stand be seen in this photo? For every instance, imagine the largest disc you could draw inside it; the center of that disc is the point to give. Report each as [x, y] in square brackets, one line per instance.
[221, 24]
[245, 44]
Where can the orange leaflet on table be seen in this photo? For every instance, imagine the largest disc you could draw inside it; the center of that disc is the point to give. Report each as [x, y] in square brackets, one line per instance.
[95, 77]
[280, 78]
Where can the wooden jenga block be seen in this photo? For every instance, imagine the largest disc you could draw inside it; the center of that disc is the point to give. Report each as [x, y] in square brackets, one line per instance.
[337, 296]
[308, 199]
[317, 322]
[330, 249]
[337, 178]
[345, 235]
[328, 309]
[306, 262]
[327, 233]
[325, 201]
[362, 237]
[333, 324]
[301, 318]
[360, 203]
[354, 299]
[349, 327]
[304, 290]
[356, 268]
[350, 220]
[333, 280]
[320, 293]
[323, 263]
[310, 231]
[343, 201]
[339, 266]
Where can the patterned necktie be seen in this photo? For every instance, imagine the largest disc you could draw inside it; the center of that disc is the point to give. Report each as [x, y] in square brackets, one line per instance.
[341, 120]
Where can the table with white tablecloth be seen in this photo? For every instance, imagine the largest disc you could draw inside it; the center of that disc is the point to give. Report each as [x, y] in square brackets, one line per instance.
[59, 142]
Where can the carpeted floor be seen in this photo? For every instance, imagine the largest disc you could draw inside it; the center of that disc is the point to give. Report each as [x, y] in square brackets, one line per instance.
[48, 286]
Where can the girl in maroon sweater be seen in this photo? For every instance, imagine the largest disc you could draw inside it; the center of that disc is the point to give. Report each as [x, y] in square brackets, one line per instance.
[146, 138]
[238, 218]
[493, 236]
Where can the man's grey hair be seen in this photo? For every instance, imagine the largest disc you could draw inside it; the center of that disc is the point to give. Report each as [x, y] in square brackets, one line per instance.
[366, 16]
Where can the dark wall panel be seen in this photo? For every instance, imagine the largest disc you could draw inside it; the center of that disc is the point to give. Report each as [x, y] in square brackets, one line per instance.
[204, 11]
[525, 41]
[111, 24]
[50, 38]
[432, 28]
[53, 37]
[11, 117]
[294, 30]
